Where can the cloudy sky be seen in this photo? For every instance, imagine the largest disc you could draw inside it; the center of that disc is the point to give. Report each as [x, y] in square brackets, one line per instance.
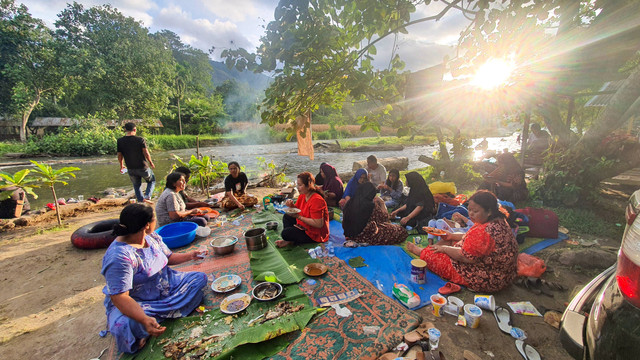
[224, 23]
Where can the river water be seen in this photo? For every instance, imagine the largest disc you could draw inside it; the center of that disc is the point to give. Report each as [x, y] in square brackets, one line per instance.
[102, 172]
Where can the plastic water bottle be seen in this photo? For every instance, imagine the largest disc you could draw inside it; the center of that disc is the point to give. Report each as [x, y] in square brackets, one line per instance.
[318, 251]
[312, 253]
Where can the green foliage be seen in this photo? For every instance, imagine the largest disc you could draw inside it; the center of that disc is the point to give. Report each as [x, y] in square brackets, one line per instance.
[172, 142]
[10, 147]
[87, 138]
[119, 71]
[277, 177]
[304, 32]
[19, 179]
[30, 64]
[50, 177]
[204, 170]
[569, 179]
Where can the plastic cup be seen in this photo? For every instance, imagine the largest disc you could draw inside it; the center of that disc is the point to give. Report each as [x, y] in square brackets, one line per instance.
[80, 197]
[434, 338]
[472, 314]
[438, 301]
[453, 307]
[487, 302]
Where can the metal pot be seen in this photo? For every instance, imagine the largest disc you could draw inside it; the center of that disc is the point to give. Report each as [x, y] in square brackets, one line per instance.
[272, 225]
[256, 239]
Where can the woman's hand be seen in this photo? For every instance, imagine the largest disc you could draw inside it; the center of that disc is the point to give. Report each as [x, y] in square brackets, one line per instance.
[404, 220]
[195, 212]
[437, 249]
[342, 202]
[446, 236]
[199, 254]
[290, 203]
[152, 326]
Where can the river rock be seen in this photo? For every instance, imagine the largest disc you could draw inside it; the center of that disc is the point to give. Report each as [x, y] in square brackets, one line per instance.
[398, 163]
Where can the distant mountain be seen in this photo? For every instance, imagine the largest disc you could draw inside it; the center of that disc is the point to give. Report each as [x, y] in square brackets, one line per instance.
[221, 73]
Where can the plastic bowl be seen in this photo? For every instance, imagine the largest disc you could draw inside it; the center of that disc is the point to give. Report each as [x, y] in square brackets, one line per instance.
[272, 288]
[178, 234]
[226, 249]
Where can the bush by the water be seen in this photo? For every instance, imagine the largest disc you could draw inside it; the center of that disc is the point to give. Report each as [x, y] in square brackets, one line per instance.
[84, 140]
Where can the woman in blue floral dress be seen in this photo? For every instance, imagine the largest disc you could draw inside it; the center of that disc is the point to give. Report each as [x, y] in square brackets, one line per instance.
[141, 289]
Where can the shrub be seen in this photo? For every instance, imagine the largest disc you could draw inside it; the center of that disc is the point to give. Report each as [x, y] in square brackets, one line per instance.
[86, 139]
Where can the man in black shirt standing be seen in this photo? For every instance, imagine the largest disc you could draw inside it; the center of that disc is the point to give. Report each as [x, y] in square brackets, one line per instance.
[133, 150]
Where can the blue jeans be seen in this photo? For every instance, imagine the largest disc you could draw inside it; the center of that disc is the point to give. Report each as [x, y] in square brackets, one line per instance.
[136, 176]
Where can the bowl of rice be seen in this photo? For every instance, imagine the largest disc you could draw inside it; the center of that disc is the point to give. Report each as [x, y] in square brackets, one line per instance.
[223, 245]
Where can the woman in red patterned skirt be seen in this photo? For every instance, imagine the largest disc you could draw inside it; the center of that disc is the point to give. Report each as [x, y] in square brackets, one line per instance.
[485, 258]
[366, 219]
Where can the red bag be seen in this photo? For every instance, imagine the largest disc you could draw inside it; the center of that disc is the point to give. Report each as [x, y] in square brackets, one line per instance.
[543, 223]
[529, 265]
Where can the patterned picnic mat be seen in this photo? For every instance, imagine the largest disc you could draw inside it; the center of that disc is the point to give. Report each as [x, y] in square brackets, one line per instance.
[329, 336]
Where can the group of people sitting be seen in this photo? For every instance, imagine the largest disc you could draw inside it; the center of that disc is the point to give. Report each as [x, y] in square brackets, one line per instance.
[141, 290]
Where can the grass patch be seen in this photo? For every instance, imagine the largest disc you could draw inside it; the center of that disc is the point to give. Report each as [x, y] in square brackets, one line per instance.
[587, 221]
[391, 140]
[53, 229]
[11, 147]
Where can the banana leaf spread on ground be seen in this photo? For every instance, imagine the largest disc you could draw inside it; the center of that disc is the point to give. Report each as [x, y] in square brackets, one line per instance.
[214, 335]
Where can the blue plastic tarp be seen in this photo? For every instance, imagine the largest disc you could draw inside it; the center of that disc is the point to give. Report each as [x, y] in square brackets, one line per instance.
[387, 265]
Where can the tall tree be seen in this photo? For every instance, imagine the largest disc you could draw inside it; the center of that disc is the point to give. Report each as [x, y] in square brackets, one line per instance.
[120, 70]
[29, 62]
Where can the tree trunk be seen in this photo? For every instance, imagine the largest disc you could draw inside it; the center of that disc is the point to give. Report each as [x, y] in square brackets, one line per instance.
[179, 117]
[615, 114]
[55, 202]
[25, 117]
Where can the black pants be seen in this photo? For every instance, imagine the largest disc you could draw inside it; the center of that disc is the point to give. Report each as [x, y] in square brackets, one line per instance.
[292, 233]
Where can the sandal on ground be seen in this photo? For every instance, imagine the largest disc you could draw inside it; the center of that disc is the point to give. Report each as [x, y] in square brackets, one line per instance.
[449, 288]
[534, 285]
[527, 351]
[503, 317]
[434, 355]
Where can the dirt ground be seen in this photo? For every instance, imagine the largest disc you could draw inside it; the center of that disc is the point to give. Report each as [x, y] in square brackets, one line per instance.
[51, 299]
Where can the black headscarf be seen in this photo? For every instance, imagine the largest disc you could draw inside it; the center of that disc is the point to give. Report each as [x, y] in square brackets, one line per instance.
[358, 210]
[419, 193]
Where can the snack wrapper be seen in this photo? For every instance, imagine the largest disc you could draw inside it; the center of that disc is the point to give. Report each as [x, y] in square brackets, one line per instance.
[407, 297]
[524, 308]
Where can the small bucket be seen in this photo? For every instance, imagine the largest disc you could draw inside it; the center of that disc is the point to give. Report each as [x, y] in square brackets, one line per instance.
[418, 271]
[487, 302]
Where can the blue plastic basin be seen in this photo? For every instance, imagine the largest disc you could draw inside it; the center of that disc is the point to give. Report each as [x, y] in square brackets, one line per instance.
[178, 234]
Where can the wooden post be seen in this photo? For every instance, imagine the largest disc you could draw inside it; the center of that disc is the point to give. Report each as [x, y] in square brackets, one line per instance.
[525, 136]
[197, 146]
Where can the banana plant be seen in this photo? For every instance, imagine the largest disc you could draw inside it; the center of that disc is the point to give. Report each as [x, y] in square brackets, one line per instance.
[20, 180]
[50, 177]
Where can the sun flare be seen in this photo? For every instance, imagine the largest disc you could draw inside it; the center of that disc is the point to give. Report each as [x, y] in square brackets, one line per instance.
[493, 73]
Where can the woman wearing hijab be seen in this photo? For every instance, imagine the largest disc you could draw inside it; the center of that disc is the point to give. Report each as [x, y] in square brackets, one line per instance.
[507, 181]
[332, 184]
[360, 177]
[366, 219]
[319, 178]
[420, 205]
[392, 188]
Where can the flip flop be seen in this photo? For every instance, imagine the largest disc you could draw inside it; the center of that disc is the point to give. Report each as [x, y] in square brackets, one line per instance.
[449, 288]
[503, 317]
[527, 351]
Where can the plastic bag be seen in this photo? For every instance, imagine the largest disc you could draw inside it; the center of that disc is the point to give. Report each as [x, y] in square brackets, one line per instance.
[407, 297]
[529, 265]
[439, 187]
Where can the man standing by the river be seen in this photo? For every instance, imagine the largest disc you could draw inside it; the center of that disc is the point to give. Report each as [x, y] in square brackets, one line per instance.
[133, 150]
